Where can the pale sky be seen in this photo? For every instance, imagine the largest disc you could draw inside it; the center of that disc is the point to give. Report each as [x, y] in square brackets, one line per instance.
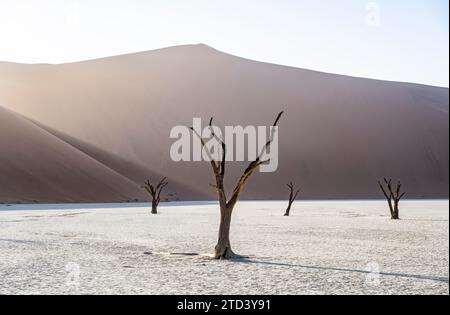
[400, 40]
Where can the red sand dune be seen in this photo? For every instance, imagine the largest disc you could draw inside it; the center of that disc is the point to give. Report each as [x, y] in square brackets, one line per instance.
[36, 166]
[113, 116]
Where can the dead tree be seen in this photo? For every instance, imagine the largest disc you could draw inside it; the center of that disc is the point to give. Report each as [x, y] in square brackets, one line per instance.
[155, 192]
[393, 197]
[223, 248]
[292, 197]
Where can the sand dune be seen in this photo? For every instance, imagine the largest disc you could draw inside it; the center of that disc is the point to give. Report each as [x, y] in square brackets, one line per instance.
[136, 173]
[37, 166]
[339, 135]
[43, 165]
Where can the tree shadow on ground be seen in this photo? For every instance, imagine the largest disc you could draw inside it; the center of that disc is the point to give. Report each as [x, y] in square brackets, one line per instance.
[426, 220]
[389, 274]
[249, 260]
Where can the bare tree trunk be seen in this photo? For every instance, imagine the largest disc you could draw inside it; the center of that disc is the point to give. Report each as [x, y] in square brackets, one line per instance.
[288, 210]
[154, 208]
[223, 248]
[396, 211]
[292, 197]
[393, 197]
[155, 192]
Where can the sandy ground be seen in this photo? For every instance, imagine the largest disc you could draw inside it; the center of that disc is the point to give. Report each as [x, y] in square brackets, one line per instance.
[331, 247]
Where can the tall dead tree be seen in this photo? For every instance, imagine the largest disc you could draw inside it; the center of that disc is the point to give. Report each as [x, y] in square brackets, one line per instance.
[393, 197]
[292, 197]
[223, 248]
[155, 192]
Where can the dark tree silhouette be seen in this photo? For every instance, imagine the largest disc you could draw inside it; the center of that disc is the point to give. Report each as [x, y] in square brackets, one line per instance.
[223, 248]
[292, 197]
[393, 197]
[155, 192]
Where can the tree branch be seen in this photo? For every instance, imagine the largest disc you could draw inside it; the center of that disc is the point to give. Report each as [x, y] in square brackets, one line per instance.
[224, 148]
[218, 169]
[253, 166]
[296, 194]
[212, 161]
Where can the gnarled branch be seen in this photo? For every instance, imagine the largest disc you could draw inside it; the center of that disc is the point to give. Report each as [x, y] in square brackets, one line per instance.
[393, 197]
[155, 192]
[254, 165]
[223, 247]
[292, 197]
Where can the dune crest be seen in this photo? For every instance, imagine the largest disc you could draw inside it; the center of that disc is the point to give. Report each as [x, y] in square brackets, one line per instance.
[339, 136]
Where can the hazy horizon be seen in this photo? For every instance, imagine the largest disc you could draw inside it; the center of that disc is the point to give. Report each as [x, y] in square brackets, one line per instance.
[405, 41]
[205, 44]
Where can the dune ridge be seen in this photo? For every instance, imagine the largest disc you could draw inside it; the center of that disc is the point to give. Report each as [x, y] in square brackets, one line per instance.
[339, 136]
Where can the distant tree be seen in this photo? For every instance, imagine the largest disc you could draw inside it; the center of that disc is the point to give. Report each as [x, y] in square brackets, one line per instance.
[393, 197]
[292, 197]
[155, 192]
[223, 248]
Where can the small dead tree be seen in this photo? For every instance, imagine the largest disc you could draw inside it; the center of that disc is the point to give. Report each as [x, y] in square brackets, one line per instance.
[393, 197]
[292, 197]
[155, 192]
[223, 248]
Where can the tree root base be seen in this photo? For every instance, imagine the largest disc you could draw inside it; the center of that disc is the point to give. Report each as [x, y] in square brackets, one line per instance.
[231, 256]
[228, 256]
